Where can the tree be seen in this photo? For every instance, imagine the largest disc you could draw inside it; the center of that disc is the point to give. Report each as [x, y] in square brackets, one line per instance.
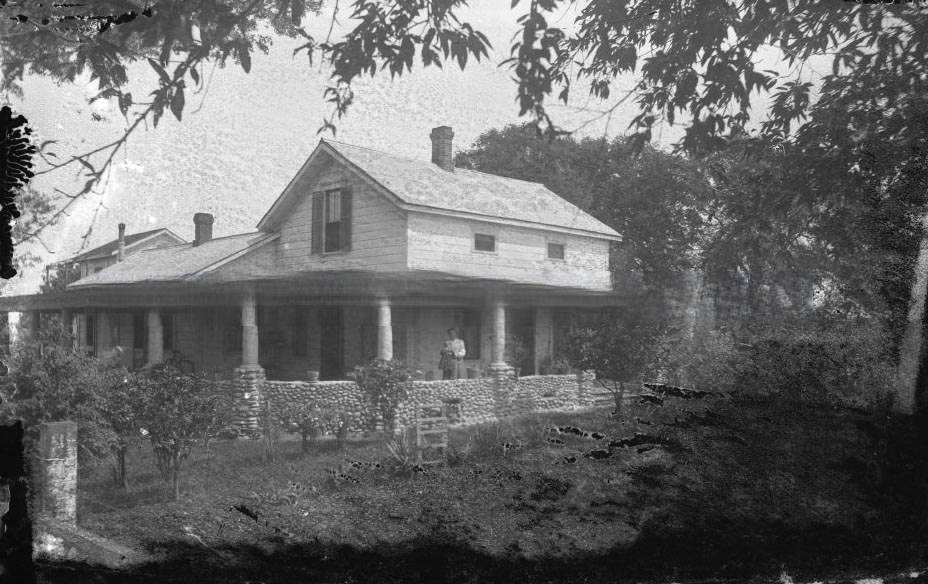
[618, 349]
[180, 411]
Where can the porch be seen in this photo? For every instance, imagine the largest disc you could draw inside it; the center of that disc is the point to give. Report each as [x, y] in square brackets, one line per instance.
[292, 332]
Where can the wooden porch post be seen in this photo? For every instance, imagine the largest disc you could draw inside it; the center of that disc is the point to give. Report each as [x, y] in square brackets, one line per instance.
[67, 328]
[498, 309]
[34, 318]
[384, 330]
[249, 331]
[104, 334]
[155, 337]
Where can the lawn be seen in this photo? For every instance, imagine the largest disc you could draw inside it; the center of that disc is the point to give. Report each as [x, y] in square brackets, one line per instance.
[728, 488]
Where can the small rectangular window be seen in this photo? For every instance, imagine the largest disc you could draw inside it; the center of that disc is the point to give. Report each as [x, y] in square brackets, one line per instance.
[556, 251]
[484, 242]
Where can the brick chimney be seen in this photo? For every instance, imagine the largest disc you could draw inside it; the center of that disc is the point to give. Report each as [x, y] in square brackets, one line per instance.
[442, 138]
[121, 243]
[203, 228]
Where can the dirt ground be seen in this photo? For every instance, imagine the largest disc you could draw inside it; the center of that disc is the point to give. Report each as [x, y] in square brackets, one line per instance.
[729, 489]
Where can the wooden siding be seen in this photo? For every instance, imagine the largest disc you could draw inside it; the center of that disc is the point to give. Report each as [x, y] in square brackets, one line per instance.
[378, 229]
[447, 244]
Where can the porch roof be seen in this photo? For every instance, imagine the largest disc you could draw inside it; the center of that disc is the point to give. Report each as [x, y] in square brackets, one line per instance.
[175, 263]
[347, 287]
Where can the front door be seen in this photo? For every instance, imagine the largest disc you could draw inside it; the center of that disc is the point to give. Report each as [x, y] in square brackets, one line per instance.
[332, 353]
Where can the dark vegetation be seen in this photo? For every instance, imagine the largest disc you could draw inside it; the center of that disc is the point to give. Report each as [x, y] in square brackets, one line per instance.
[709, 487]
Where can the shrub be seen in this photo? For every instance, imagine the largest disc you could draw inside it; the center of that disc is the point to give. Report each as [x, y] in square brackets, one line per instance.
[385, 383]
[812, 360]
[709, 361]
[181, 411]
[48, 382]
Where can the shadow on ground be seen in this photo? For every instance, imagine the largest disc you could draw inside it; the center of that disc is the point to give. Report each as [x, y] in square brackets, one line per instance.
[689, 556]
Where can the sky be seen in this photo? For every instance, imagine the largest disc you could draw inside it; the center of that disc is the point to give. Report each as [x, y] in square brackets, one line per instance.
[244, 136]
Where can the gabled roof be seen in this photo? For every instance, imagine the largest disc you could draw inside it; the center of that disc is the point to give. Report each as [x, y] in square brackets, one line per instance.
[110, 248]
[176, 262]
[420, 185]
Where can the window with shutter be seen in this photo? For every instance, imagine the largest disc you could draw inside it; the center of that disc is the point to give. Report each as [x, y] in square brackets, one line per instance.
[331, 229]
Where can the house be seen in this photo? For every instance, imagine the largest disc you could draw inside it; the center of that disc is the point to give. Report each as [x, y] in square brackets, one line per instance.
[364, 254]
[93, 261]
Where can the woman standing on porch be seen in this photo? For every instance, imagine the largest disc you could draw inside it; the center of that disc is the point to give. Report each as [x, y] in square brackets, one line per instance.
[451, 356]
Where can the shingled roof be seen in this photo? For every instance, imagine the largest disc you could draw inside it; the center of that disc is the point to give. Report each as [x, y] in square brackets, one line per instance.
[176, 262]
[422, 185]
[109, 248]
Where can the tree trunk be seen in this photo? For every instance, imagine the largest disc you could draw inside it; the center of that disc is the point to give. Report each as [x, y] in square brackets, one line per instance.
[910, 351]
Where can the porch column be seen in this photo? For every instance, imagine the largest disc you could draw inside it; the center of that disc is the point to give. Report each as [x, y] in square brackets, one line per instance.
[67, 328]
[34, 317]
[499, 332]
[384, 330]
[249, 331]
[249, 377]
[155, 337]
[104, 334]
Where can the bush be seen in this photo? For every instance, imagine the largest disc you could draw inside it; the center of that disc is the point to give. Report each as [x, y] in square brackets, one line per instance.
[311, 420]
[180, 411]
[806, 361]
[48, 382]
[385, 383]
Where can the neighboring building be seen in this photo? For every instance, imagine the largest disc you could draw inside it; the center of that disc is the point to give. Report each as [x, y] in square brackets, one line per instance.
[364, 254]
[94, 260]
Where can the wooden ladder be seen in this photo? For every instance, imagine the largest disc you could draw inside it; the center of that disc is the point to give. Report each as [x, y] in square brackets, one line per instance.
[431, 434]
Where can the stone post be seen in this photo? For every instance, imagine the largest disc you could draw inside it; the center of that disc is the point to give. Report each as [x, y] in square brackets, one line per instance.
[57, 497]
[155, 337]
[384, 330]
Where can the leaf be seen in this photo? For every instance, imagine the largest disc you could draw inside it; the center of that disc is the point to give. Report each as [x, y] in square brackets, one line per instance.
[194, 75]
[177, 103]
[165, 78]
[245, 57]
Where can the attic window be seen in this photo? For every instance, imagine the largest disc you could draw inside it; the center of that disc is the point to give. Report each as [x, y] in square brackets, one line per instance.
[556, 251]
[331, 221]
[484, 242]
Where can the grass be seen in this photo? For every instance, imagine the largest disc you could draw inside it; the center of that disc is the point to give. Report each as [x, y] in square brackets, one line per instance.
[736, 487]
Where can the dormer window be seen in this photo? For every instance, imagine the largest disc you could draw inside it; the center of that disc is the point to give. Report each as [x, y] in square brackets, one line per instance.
[484, 242]
[331, 231]
[556, 251]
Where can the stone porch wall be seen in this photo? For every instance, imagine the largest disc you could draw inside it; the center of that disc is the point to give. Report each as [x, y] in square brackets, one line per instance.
[481, 400]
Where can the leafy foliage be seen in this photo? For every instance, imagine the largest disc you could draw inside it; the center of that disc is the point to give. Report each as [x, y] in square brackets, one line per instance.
[385, 383]
[310, 419]
[48, 382]
[180, 411]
